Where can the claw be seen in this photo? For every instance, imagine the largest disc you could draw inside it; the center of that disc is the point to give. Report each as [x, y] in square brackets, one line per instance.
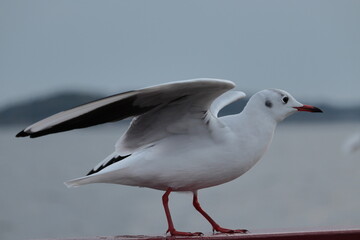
[187, 234]
[225, 230]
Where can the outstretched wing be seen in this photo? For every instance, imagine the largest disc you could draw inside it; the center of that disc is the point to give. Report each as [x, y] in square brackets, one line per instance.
[161, 105]
[224, 100]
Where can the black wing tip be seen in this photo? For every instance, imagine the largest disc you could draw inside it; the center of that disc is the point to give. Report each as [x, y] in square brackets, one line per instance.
[23, 134]
[91, 172]
[30, 134]
[112, 161]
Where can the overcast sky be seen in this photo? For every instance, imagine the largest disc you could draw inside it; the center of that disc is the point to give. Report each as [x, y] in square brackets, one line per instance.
[310, 48]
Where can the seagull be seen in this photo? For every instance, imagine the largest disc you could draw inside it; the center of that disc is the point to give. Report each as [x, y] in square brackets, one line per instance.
[352, 143]
[176, 142]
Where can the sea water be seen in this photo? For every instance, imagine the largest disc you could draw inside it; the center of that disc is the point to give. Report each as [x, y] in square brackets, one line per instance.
[303, 181]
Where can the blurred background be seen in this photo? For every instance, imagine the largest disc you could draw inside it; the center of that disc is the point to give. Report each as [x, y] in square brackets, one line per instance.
[57, 54]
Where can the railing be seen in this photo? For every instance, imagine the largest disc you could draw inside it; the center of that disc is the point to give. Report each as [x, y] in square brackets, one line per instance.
[342, 234]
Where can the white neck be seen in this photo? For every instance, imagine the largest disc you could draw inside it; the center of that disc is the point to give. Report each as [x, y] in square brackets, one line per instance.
[253, 128]
[251, 121]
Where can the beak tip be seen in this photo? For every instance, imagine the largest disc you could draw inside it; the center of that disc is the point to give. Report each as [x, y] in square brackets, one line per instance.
[319, 110]
[309, 108]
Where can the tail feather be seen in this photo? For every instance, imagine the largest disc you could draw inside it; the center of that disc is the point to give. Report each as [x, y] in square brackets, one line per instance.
[106, 171]
[100, 177]
[78, 182]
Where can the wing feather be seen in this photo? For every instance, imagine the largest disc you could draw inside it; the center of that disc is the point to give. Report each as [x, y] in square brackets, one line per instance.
[197, 93]
[108, 109]
[224, 100]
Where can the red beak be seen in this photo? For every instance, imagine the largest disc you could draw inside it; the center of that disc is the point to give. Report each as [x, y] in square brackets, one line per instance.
[308, 108]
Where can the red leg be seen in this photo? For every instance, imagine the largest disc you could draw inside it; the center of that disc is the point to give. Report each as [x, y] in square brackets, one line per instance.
[171, 229]
[215, 226]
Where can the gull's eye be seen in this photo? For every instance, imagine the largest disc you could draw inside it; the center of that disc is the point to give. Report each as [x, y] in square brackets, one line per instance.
[285, 99]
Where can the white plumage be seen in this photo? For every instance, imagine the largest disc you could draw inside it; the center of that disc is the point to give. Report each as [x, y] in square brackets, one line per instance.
[176, 141]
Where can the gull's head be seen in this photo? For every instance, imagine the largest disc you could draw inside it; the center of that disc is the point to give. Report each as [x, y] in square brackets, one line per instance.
[279, 104]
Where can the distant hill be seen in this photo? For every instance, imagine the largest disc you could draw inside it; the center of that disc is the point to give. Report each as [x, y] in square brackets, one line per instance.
[36, 109]
[28, 112]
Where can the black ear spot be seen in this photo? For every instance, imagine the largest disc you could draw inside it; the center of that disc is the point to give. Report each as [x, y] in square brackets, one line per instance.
[268, 103]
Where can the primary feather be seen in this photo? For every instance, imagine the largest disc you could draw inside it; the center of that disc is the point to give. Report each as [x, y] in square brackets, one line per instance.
[196, 93]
